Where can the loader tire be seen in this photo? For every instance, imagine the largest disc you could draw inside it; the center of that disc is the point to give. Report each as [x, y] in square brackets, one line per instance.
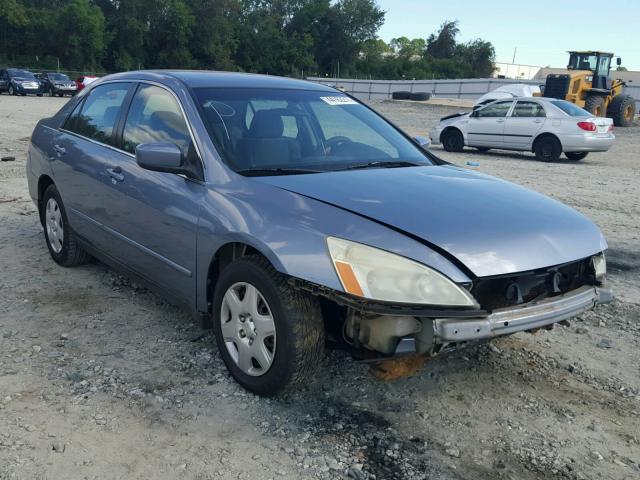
[594, 104]
[622, 109]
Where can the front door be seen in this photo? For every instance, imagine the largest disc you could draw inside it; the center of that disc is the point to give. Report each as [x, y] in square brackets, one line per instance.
[486, 125]
[154, 215]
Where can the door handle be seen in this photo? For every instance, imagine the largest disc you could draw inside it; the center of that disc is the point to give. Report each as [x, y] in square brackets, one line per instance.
[116, 174]
[59, 150]
[500, 120]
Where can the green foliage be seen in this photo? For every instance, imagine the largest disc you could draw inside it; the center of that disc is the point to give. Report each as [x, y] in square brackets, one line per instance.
[279, 37]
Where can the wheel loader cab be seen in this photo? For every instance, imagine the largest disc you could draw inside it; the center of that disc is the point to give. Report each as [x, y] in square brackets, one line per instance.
[588, 84]
[597, 63]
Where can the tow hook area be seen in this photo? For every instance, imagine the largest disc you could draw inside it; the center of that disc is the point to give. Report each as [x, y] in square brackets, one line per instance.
[394, 368]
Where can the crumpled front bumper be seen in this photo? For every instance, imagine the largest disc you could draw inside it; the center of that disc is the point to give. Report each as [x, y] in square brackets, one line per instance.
[511, 320]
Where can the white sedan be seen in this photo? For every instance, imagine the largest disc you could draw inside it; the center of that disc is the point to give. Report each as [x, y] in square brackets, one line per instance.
[546, 126]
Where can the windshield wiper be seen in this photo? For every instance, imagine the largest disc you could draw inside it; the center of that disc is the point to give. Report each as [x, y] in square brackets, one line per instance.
[381, 164]
[260, 172]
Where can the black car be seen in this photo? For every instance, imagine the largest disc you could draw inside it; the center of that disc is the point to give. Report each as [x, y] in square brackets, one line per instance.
[20, 82]
[57, 84]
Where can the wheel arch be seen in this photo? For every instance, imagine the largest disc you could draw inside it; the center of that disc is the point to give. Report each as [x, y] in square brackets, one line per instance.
[227, 253]
[43, 183]
[544, 135]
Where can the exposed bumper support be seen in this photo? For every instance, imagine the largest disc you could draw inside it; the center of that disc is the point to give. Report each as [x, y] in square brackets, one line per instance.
[511, 320]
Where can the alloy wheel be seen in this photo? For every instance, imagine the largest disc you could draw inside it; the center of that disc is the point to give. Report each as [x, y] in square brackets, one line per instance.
[248, 328]
[55, 229]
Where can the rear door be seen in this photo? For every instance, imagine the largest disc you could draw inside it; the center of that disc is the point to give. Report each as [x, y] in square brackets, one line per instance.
[524, 122]
[486, 125]
[4, 81]
[83, 151]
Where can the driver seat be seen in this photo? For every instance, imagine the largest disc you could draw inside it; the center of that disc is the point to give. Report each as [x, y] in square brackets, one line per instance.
[265, 144]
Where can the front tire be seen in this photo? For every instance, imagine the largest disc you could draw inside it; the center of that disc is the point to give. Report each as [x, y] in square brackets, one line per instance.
[270, 336]
[547, 149]
[576, 156]
[12, 91]
[452, 140]
[61, 241]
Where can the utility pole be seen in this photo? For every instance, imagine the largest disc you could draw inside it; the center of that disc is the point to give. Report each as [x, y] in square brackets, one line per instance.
[514, 55]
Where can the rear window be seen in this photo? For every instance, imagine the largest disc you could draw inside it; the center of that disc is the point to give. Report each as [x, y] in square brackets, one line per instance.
[571, 109]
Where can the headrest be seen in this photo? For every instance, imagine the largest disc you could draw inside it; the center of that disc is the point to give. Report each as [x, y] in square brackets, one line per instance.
[266, 124]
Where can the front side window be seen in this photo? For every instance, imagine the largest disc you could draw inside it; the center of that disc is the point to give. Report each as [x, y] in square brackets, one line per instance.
[528, 109]
[155, 116]
[99, 113]
[603, 66]
[276, 129]
[499, 109]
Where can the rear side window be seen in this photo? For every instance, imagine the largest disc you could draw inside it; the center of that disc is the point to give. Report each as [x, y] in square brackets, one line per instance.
[499, 109]
[155, 116]
[99, 113]
[528, 109]
[571, 109]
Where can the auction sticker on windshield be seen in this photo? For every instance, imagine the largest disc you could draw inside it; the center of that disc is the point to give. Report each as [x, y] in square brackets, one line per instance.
[338, 100]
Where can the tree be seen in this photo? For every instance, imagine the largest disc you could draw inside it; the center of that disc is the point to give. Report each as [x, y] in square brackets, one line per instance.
[77, 32]
[443, 44]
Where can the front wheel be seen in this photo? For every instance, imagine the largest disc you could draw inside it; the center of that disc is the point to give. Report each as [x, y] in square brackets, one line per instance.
[12, 91]
[61, 242]
[575, 156]
[452, 140]
[270, 336]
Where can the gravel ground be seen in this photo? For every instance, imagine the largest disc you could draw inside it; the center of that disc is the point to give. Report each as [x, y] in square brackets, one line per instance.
[102, 379]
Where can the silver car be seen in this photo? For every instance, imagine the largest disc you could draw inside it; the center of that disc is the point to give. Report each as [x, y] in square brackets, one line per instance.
[547, 127]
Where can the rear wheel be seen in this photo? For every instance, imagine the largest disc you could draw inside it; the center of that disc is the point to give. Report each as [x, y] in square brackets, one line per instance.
[452, 140]
[270, 336]
[61, 241]
[622, 109]
[575, 156]
[595, 104]
[547, 148]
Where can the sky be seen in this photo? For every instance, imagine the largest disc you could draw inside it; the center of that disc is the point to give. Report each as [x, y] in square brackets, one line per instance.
[542, 30]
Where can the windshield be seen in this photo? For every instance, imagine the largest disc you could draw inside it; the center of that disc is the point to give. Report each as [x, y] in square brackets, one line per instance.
[571, 109]
[14, 72]
[58, 77]
[263, 130]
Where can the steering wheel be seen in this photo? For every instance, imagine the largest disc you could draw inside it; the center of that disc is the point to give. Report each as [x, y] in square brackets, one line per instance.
[337, 141]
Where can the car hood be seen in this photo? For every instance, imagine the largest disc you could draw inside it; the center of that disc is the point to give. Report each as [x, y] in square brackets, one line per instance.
[492, 226]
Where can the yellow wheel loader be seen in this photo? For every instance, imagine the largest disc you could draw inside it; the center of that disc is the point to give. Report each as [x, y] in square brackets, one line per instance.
[588, 84]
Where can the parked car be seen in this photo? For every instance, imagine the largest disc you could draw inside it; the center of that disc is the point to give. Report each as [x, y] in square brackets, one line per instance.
[16, 81]
[55, 83]
[545, 126]
[511, 90]
[287, 213]
[84, 80]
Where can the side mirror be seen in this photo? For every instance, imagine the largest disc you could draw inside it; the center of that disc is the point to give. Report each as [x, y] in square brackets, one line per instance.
[618, 61]
[422, 142]
[160, 157]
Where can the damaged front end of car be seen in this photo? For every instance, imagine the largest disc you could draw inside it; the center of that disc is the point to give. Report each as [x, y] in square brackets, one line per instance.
[501, 305]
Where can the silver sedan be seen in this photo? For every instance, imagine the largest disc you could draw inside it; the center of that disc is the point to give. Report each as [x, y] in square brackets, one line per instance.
[546, 126]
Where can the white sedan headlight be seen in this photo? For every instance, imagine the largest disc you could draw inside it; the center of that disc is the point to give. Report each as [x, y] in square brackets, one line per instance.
[378, 275]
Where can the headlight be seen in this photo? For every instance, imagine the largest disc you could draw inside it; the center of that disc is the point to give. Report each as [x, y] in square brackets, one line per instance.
[599, 266]
[372, 273]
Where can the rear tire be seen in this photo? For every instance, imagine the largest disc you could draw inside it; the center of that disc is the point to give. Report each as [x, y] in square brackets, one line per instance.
[622, 109]
[61, 241]
[576, 156]
[298, 338]
[547, 148]
[594, 104]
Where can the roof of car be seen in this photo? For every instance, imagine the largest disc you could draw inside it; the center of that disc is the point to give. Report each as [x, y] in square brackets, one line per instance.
[207, 78]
